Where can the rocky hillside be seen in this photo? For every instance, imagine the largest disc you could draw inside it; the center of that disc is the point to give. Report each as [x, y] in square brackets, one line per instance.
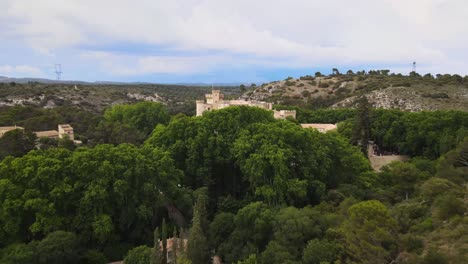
[412, 93]
[96, 97]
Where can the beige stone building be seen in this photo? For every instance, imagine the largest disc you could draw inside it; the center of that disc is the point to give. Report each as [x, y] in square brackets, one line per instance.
[64, 130]
[321, 127]
[4, 130]
[215, 101]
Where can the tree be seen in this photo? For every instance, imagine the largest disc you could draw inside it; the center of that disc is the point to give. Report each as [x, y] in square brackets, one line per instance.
[318, 74]
[350, 72]
[16, 143]
[19, 254]
[242, 88]
[335, 71]
[370, 233]
[156, 254]
[253, 230]
[362, 124]
[275, 253]
[59, 247]
[164, 241]
[175, 245]
[402, 178]
[197, 248]
[385, 72]
[319, 251]
[138, 255]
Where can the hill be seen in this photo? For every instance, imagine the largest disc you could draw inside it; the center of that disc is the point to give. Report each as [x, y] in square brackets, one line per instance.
[96, 97]
[413, 93]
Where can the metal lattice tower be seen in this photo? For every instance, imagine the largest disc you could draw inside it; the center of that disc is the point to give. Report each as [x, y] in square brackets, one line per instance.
[414, 67]
[58, 70]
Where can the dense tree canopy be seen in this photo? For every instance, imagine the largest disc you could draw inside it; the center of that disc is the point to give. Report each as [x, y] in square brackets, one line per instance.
[258, 190]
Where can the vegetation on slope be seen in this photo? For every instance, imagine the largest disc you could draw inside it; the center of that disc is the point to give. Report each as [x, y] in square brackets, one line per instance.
[384, 90]
[265, 191]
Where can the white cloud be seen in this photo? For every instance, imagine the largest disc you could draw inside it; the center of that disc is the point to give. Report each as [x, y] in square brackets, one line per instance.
[12, 71]
[296, 33]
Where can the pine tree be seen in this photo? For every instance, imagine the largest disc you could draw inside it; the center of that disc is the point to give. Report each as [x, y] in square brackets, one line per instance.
[197, 248]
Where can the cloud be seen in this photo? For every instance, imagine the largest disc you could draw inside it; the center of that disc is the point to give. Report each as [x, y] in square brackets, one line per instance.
[195, 36]
[12, 71]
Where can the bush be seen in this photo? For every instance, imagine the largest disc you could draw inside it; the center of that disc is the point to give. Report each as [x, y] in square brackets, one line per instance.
[448, 206]
[305, 93]
[434, 257]
[138, 255]
[436, 95]
[324, 85]
[307, 77]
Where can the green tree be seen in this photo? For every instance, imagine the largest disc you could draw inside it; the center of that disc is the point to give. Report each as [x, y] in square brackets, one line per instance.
[370, 233]
[16, 143]
[164, 241]
[156, 254]
[197, 248]
[319, 251]
[361, 133]
[19, 254]
[59, 247]
[138, 255]
[143, 116]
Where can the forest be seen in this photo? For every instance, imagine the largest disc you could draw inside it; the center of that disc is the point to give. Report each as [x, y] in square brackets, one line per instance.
[237, 184]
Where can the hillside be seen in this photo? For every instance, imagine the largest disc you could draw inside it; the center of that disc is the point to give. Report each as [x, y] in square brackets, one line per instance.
[96, 97]
[411, 93]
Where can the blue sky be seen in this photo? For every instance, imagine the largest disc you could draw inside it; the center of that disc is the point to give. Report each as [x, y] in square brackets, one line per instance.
[228, 41]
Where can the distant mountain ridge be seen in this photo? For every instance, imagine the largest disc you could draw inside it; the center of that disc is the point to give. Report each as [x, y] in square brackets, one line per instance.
[5, 79]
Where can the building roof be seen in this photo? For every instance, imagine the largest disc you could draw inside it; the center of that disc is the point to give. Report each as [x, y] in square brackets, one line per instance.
[49, 133]
[324, 127]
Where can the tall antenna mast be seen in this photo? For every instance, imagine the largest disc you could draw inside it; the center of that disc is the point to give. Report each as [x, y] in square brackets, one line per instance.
[58, 70]
[414, 67]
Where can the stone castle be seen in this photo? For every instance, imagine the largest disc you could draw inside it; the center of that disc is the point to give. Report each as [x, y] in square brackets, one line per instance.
[215, 101]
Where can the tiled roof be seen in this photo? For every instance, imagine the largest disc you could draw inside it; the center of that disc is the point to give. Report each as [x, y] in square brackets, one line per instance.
[50, 133]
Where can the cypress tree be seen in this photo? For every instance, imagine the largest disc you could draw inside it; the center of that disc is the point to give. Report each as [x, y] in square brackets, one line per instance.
[362, 124]
[156, 257]
[197, 248]
[175, 241]
[164, 241]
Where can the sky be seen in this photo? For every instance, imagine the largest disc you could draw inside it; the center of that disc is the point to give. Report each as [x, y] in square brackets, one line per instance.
[224, 41]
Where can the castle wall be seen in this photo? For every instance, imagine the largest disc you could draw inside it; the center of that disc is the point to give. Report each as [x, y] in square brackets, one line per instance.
[215, 101]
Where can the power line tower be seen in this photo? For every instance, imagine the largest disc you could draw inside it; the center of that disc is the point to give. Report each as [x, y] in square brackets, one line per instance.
[58, 70]
[414, 67]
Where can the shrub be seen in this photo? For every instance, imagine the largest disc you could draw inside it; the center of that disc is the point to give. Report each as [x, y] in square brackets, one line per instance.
[138, 255]
[436, 95]
[307, 77]
[324, 84]
[305, 93]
